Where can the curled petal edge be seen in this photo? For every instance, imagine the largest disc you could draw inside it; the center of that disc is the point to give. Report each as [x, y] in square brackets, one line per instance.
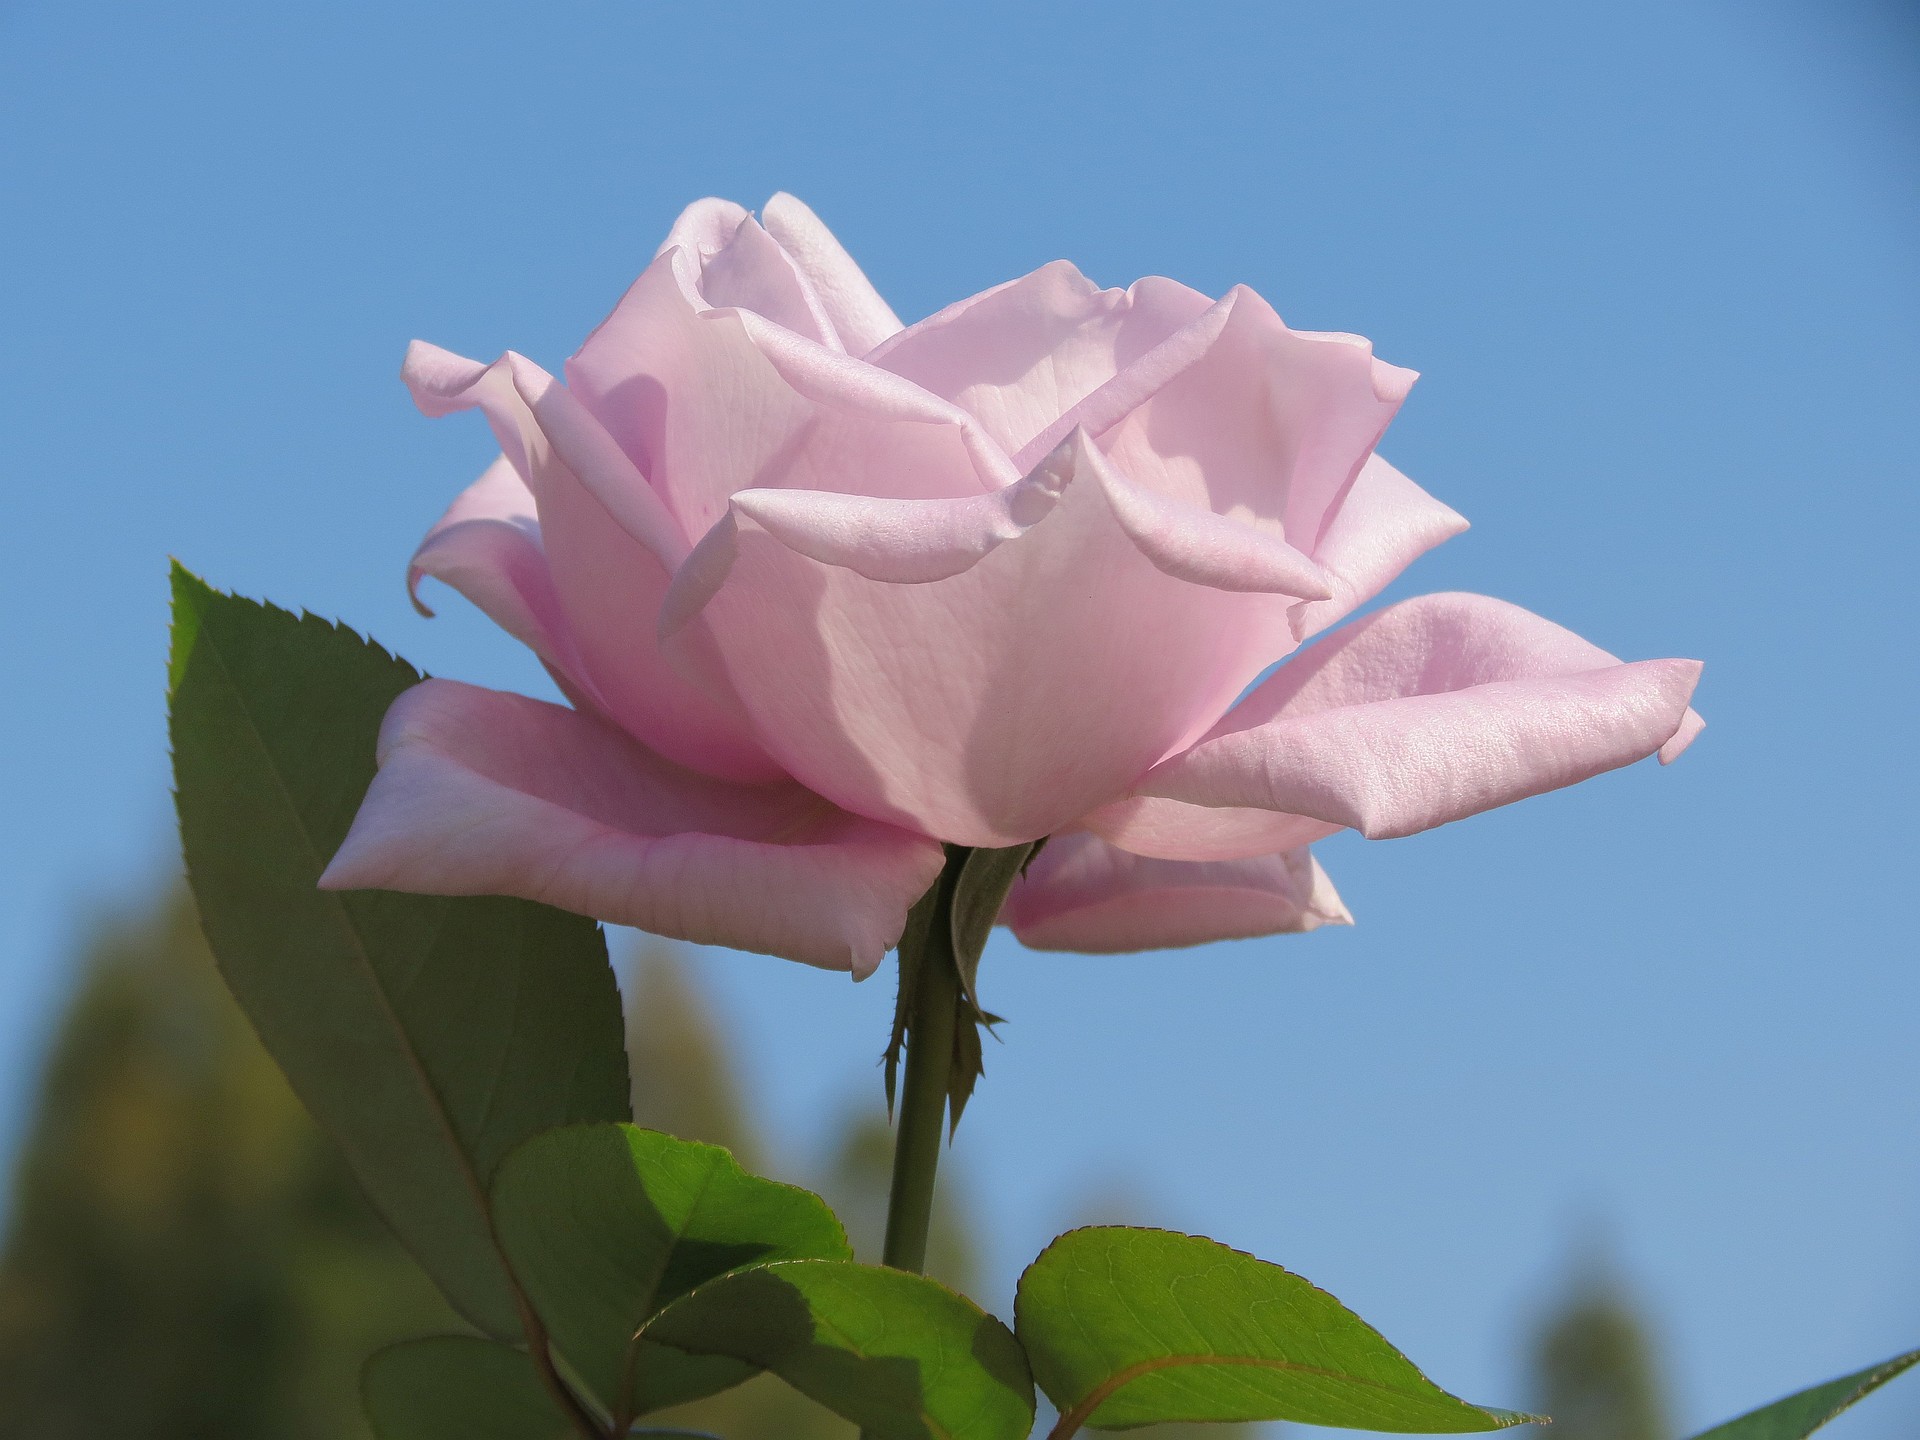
[538, 422]
[1494, 705]
[909, 542]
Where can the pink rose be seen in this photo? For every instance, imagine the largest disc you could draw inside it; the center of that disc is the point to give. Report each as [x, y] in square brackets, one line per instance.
[826, 591]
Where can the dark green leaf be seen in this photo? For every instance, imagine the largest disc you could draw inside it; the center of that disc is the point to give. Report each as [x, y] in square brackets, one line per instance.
[1132, 1327]
[606, 1224]
[457, 1387]
[897, 1354]
[428, 1035]
[1805, 1411]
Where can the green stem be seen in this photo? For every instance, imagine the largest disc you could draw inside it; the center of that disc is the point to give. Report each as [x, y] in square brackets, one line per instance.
[923, 1097]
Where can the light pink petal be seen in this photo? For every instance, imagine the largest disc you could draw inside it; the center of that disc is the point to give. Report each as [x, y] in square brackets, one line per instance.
[1238, 414]
[986, 675]
[610, 549]
[1384, 524]
[485, 793]
[1677, 744]
[487, 547]
[706, 402]
[704, 227]
[1171, 830]
[751, 271]
[1429, 711]
[1081, 893]
[860, 317]
[1023, 354]
[912, 542]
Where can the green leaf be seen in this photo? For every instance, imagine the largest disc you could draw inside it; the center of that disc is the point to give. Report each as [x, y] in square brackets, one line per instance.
[897, 1354]
[1130, 1327]
[428, 1035]
[457, 1387]
[607, 1224]
[1805, 1411]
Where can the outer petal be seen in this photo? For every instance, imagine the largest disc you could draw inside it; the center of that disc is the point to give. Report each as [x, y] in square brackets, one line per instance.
[1429, 711]
[1084, 894]
[487, 546]
[860, 317]
[709, 401]
[1023, 354]
[1172, 830]
[1384, 524]
[609, 548]
[1241, 415]
[1050, 652]
[485, 793]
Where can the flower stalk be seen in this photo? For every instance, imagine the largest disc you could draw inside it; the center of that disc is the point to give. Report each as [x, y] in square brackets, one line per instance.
[938, 1021]
[932, 1011]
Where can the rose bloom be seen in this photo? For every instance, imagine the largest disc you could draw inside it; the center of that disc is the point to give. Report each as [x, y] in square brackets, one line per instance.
[826, 591]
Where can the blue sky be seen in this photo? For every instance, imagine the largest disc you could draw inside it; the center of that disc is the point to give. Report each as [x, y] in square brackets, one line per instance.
[1656, 264]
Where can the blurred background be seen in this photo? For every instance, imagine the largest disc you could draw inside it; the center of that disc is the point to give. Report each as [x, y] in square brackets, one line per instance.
[1609, 1101]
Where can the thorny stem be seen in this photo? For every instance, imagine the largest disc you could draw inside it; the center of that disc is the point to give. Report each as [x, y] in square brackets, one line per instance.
[923, 1098]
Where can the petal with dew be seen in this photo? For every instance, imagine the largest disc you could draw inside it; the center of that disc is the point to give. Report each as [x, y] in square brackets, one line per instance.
[1083, 894]
[485, 793]
[1428, 711]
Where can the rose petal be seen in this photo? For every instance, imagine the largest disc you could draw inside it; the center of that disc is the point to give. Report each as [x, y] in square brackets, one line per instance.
[1384, 524]
[1083, 894]
[706, 402]
[1021, 355]
[997, 701]
[860, 317]
[487, 547]
[1238, 414]
[704, 227]
[917, 541]
[1429, 711]
[485, 793]
[1171, 830]
[752, 272]
[610, 549]
[1689, 731]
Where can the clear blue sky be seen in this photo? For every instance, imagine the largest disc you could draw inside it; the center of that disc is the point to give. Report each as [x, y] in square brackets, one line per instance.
[1656, 262]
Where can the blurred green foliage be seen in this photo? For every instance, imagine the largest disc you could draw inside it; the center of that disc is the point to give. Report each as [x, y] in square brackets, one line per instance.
[187, 1258]
[1595, 1368]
